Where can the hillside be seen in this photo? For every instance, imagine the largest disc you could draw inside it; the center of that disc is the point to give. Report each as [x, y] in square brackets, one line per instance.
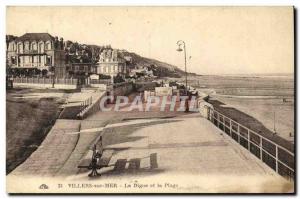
[161, 69]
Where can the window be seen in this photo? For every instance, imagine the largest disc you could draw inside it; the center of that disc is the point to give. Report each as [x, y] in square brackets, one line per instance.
[48, 46]
[33, 47]
[20, 50]
[13, 60]
[48, 60]
[26, 46]
[41, 50]
[12, 47]
[26, 59]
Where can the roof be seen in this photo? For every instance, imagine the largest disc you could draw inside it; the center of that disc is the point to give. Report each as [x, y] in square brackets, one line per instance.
[36, 37]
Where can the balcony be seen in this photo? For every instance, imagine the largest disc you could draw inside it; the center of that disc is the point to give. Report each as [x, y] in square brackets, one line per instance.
[30, 52]
[32, 65]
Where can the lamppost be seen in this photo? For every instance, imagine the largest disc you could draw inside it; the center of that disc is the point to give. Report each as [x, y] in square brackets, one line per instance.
[181, 43]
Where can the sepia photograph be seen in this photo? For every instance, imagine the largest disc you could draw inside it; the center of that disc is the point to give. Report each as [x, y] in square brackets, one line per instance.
[150, 99]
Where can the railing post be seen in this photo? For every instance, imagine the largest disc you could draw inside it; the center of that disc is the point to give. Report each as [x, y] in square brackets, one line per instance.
[218, 119]
[238, 132]
[248, 139]
[230, 127]
[276, 161]
[260, 148]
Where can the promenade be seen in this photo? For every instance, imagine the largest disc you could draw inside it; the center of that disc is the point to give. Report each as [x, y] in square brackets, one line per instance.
[192, 154]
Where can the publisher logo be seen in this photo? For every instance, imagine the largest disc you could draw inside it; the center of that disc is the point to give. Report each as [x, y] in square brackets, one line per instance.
[43, 186]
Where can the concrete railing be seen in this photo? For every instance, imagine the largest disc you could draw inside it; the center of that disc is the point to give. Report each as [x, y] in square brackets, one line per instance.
[36, 80]
[275, 156]
[45, 82]
[91, 105]
[87, 102]
[101, 81]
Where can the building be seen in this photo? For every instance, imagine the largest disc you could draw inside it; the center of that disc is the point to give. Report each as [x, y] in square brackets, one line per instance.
[37, 51]
[111, 63]
[79, 69]
[142, 71]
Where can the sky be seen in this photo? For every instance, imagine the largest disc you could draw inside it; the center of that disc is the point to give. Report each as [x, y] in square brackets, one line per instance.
[219, 40]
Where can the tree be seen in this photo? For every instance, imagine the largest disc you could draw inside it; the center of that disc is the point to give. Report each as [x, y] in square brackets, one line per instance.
[38, 71]
[102, 76]
[44, 72]
[118, 79]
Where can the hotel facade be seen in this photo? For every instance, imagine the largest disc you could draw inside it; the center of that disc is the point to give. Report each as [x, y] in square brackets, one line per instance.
[37, 51]
[43, 52]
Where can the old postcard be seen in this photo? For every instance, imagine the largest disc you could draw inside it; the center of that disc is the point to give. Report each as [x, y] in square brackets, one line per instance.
[150, 99]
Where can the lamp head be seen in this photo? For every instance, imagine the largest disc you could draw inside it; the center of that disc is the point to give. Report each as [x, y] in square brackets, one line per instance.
[179, 49]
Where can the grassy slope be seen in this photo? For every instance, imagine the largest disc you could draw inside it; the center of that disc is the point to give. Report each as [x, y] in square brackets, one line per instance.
[27, 123]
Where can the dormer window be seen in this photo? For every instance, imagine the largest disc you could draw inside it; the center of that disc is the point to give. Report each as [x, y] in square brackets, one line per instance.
[48, 46]
[41, 48]
[12, 47]
[34, 46]
[26, 47]
[20, 48]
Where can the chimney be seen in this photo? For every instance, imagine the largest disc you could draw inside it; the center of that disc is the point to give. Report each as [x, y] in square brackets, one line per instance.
[56, 43]
[62, 45]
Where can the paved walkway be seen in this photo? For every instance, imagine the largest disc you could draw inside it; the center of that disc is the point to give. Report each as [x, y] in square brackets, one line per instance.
[84, 144]
[53, 152]
[188, 148]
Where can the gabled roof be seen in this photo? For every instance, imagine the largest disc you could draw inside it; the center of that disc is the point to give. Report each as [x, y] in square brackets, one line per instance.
[35, 37]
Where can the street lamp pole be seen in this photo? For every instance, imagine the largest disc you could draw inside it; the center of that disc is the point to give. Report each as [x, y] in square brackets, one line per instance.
[182, 43]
